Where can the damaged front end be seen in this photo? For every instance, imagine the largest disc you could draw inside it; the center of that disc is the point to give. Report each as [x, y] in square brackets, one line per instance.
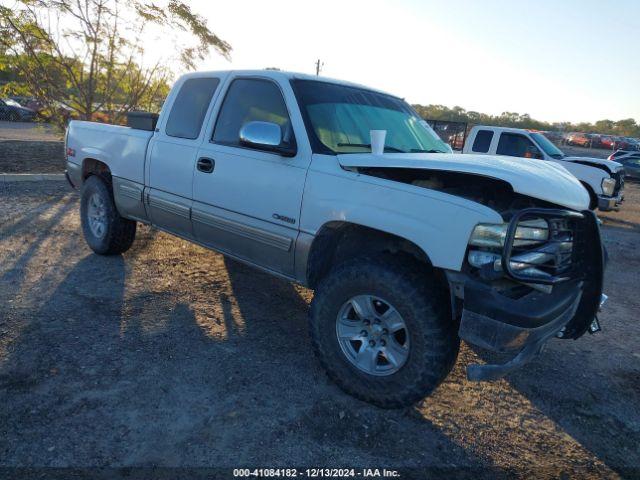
[538, 276]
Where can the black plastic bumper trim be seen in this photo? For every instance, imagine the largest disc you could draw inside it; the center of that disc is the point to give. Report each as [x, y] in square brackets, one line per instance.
[531, 311]
[494, 335]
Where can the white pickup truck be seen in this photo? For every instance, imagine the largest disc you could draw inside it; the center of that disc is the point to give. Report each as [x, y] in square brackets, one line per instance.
[603, 179]
[408, 250]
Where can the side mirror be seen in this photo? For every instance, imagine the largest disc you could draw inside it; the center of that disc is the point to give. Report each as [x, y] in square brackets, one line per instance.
[265, 136]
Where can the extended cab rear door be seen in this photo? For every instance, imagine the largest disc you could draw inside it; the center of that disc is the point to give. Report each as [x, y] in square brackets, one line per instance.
[246, 200]
[482, 141]
[172, 153]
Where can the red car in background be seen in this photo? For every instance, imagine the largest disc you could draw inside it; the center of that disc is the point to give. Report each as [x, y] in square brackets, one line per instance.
[578, 139]
[608, 141]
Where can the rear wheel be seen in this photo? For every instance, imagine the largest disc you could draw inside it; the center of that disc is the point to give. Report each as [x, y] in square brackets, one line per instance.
[106, 232]
[381, 328]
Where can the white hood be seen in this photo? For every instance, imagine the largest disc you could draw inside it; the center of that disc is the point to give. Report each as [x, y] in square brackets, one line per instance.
[610, 164]
[533, 178]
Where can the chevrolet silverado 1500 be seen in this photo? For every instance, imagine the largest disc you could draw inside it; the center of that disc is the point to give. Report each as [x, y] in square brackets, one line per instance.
[407, 250]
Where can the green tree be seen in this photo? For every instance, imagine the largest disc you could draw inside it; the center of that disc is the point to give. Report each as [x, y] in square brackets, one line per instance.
[626, 127]
[87, 56]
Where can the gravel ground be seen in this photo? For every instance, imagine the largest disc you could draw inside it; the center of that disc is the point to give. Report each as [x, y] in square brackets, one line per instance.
[172, 356]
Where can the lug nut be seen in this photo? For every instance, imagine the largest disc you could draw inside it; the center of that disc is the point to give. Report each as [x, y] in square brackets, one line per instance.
[366, 322]
[372, 343]
[385, 331]
[377, 321]
[383, 343]
[363, 333]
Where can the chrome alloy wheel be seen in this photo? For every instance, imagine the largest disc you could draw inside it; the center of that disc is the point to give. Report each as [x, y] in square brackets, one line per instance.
[97, 215]
[372, 335]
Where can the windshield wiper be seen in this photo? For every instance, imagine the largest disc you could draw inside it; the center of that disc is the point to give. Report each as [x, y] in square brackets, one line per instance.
[368, 145]
[419, 150]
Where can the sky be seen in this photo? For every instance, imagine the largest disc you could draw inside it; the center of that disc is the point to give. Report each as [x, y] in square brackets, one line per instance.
[563, 60]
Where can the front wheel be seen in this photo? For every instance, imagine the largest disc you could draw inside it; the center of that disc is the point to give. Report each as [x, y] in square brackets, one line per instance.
[381, 329]
[106, 232]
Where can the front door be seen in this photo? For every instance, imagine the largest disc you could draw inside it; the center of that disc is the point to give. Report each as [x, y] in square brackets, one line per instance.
[248, 203]
[172, 157]
[517, 145]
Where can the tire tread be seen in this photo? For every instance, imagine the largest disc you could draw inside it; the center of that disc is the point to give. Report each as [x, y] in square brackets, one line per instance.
[443, 341]
[121, 231]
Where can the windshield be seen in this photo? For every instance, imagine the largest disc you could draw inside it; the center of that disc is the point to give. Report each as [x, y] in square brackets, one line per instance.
[546, 145]
[338, 119]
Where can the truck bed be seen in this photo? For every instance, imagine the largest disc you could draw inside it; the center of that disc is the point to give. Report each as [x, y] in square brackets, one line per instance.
[122, 148]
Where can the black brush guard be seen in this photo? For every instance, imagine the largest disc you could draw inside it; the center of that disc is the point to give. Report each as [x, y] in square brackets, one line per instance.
[499, 323]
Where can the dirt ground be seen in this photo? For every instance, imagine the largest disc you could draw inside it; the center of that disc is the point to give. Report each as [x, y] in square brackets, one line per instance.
[172, 356]
[30, 131]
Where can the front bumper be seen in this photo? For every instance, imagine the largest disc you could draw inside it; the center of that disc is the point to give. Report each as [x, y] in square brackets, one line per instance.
[500, 323]
[607, 204]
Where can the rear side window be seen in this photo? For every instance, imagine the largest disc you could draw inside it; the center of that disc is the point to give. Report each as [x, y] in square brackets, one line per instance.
[482, 141]
[516, 145]
[190, 106]
[248, 100]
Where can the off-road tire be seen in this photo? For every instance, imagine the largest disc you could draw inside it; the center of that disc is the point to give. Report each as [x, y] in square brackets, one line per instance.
[120, 232]
[424, 306]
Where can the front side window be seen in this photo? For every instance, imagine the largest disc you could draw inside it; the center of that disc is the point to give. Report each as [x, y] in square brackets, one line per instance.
[516, 145]
[190, 107]
[248, 100]
[483, 141]
[339, 118]
[546, 145]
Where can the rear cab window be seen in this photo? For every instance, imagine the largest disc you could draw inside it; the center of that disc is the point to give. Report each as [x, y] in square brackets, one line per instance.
[482, 141]
[190, 106]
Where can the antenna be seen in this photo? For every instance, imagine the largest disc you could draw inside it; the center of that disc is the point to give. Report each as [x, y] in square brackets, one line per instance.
[319, 65]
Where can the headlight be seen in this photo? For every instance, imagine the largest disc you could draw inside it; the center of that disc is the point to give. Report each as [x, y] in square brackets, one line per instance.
[608, 185]
[493, 235]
